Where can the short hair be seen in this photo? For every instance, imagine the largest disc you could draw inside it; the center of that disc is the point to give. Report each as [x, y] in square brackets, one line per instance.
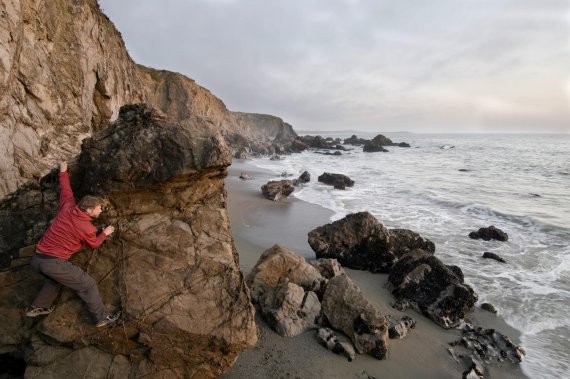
[89, 201]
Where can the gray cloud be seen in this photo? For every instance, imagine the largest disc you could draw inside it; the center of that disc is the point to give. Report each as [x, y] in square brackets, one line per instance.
[446, 65]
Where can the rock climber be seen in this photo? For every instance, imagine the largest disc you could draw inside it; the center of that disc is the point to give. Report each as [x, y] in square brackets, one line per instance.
[70, 229]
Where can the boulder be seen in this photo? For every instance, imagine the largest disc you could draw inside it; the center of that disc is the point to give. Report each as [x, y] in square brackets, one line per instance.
[490, 233]
[493, 256]
[172, 260]
[347, 310]
[488, 307]
[377, 143]
[242, 153]
[339, 181]
[354, 140]
[275, 158]
[373, 147]
[488, 346]
[399, 329]
[298, 146]
[329, 268]
[289, 310]
[432, 288]
[305, 177]
[404, 240]
[316, 142]
[277, 189]
[338, 345]
[284, 285]
[279, 263]
[359, 241]
[245, 176]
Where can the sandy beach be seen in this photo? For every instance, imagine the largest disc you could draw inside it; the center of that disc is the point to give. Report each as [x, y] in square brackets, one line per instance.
[258, 224]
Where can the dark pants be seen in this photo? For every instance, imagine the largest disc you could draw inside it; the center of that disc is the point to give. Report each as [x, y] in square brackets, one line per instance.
[58, 272]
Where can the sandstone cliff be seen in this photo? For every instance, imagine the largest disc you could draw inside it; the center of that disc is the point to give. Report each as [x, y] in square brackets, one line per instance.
[171, 266]
[64, 74]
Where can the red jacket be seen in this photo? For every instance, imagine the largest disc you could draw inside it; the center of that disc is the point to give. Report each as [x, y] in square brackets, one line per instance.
[70, 228]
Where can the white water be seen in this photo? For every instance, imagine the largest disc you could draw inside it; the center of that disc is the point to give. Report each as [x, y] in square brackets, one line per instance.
[422, 189]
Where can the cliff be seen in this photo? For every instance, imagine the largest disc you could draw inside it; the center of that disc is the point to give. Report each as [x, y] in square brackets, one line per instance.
[172, 266]
[64, 74]
[265, 128]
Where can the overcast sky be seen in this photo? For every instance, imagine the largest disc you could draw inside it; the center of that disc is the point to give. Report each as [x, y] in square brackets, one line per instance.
[422, 66]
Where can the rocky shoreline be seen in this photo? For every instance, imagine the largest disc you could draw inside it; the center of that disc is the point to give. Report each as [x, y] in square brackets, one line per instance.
[252, 234]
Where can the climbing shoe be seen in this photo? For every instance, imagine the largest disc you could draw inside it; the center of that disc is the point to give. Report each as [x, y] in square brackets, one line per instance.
[36, 311]
[111, 318]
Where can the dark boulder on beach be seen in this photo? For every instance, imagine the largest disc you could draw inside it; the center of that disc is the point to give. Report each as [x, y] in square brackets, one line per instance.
[488, 307]
[431, 287]
[354, 140]
[373, 147]
[339, 181]
[277, 189]
[487, 345]
[490, 233]
[377, 144]
[404, 240]
[359, 241]
[298, 145]
[316, 142]
[305, 177]
[493, 256]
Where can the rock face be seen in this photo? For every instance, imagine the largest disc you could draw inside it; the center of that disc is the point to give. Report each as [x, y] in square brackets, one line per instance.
[359, 241]
[64, 73]
[339, 181]
[434, 289]
[347, 310]
[171, 266]
[277, 189]
[490, 233]
[259, 134]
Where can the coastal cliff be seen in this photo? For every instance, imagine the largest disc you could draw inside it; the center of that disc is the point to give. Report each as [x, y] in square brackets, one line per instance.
[64, 74]
[172, 266]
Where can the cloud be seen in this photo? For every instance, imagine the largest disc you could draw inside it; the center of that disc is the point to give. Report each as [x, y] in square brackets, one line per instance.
[338, 64]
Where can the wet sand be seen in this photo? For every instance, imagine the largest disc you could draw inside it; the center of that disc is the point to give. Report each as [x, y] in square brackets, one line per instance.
[258, 224]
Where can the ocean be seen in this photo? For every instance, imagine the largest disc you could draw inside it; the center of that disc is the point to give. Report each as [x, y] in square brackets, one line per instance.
[519, 183]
